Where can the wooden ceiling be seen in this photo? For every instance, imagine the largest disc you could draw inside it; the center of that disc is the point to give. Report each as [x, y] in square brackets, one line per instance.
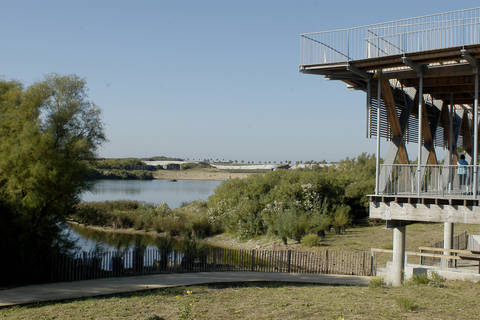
[446, 72]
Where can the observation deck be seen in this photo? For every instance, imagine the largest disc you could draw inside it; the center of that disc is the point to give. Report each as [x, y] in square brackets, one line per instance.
[420, 76]
[421, 80]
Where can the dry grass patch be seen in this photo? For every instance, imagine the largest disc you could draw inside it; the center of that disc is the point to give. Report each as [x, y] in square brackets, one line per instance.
[458, 300]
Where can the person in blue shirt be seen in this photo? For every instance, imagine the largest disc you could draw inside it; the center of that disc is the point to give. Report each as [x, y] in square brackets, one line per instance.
[462, 170]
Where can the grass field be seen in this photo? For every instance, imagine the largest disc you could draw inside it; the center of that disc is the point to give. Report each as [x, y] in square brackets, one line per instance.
[357, 238]
[458, 300]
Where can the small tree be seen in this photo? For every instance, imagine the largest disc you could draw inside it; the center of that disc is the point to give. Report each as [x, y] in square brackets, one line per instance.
[341, 218]
[323, 223]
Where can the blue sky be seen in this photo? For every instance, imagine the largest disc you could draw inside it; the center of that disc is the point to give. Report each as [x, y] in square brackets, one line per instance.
[201, 79]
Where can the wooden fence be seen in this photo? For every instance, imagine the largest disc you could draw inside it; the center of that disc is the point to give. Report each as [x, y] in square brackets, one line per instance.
[93, 265]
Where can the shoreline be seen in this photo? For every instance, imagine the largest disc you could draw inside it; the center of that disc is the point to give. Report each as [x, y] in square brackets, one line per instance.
[119, 230]
[199, 174]
[222, 240]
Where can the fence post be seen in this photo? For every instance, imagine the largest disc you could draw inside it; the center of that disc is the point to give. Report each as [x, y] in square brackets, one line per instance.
[289, 260]
[326, 261]
[372, 262]
[253, 260]
[214, 259]
[421, 257]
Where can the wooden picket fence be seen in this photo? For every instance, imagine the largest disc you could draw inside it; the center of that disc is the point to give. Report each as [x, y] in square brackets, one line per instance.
[94, 265]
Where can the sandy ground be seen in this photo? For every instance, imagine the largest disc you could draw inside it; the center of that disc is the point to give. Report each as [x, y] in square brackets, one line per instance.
[198, 174]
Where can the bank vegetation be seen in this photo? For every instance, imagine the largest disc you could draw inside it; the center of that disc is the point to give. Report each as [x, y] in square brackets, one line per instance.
[300, 204]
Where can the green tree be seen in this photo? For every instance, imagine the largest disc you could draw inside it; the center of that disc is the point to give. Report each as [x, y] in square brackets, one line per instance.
[47, 131]
[341, 218]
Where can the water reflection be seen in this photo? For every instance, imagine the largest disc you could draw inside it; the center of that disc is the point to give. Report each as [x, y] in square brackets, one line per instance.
[152, 191]
[88, 239]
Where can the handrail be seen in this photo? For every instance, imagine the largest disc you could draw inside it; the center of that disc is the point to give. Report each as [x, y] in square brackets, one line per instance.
[419, 254]
[394, 21]
[439, 180]
[449, 250]
[429, 32]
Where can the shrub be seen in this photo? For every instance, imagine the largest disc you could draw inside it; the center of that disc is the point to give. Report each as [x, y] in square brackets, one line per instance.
[322, 223]
[291, 223]
[405, 304]
[376, 282]
[341, 217]
[310, 240]
[420, 279]
[190, 219]
[254, 206]
[436, 280]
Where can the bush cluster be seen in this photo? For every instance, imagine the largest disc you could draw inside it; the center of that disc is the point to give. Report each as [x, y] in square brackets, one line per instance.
[194, 165]
[191, 219]
[293, 203]
[119, 174]
[122, 164]
[123, 169]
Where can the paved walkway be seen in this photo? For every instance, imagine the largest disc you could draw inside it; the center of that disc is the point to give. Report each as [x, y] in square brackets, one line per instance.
[99, 287]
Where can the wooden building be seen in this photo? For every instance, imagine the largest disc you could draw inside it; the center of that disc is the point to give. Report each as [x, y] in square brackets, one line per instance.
[420, 78]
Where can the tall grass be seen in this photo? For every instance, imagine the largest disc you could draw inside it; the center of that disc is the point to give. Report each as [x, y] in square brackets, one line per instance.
[191, 219]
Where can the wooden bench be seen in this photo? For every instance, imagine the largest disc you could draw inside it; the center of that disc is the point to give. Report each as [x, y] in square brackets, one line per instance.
[459, 254]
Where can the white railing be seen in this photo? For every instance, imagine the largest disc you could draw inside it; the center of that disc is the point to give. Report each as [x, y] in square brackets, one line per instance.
[436, 180]
[437, 31]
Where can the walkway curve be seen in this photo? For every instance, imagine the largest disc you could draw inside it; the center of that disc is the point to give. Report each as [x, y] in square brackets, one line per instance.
[99, 287]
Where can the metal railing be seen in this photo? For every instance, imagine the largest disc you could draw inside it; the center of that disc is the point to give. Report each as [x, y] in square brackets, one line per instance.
[436, 31]
[436, 180]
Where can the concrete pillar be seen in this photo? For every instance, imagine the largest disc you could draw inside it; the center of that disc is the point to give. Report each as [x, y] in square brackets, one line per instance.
[398, 259]
[447, 242]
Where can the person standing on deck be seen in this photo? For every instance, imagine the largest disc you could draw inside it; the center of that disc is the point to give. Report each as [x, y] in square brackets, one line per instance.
[462, 171]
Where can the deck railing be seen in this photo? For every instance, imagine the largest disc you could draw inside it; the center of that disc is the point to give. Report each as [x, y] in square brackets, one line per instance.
[436, 180]
[436, 31]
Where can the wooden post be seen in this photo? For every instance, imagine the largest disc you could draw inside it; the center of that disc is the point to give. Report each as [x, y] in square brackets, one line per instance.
[326, 261]
[253, 261]
[372, 263]
[289, 260]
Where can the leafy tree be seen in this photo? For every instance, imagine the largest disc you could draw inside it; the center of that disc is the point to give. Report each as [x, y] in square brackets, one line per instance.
[47, 131]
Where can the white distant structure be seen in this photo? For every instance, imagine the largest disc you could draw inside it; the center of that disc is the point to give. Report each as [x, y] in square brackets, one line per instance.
[166, 162]
[249, 166]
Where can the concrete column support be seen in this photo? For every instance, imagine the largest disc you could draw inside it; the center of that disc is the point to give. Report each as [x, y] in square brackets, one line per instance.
[398, 259]
[447, 242]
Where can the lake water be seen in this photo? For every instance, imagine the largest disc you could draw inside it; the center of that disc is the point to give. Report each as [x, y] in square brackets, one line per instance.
[152, 191]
